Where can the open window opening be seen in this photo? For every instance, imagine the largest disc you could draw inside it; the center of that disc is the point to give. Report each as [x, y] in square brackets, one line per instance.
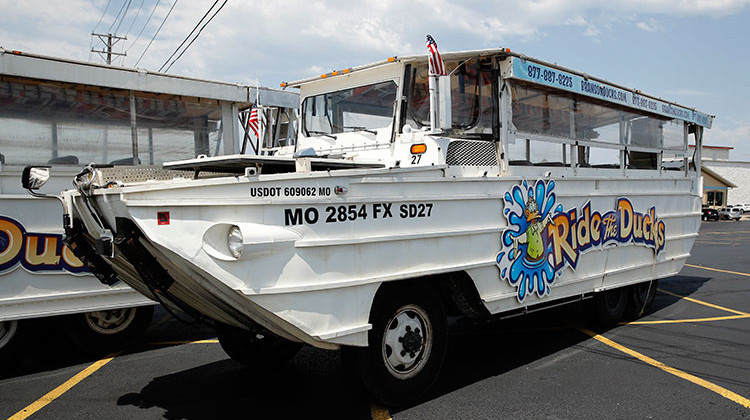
[473, 99]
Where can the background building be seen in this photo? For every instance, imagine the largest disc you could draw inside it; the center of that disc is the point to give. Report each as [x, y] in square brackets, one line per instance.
[725, 182]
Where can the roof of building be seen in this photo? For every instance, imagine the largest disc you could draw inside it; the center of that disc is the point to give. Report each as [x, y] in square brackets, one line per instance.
[718, 176]
[713, 147]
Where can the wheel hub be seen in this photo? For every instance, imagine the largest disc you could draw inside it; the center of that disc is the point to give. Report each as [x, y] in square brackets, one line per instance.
[407, 341]
[412, 341]
[110, 321]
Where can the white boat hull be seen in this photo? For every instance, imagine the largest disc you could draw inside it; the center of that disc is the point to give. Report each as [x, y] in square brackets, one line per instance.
[312, 259]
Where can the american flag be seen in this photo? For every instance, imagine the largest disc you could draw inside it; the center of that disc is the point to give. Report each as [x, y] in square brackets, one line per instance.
[254, 123]
[437, 67]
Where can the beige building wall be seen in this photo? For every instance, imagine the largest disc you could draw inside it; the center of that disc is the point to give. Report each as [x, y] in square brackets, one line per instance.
[714, 191]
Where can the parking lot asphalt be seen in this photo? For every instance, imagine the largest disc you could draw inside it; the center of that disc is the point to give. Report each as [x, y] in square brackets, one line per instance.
[687, 357]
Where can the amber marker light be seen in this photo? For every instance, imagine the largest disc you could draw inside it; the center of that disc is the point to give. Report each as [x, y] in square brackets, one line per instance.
[418, 149]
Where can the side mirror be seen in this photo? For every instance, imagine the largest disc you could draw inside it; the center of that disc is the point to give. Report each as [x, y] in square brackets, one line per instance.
[34, 177]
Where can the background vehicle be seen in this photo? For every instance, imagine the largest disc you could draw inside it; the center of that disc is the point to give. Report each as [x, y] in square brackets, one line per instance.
[733, 213]
[710, 214]
[63, 114]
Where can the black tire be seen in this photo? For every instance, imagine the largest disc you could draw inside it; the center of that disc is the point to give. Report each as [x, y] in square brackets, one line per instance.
[641, 297]
[8, 338]
[407, 345]
[258, 348]
[609, 306]
[99, 332]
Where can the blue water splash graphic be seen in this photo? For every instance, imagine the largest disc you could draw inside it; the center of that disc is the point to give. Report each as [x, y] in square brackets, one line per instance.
[525, 260]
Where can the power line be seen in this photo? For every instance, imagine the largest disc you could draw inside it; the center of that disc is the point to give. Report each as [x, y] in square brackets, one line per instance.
[188, 35]
[144, 25]
[104, 13]
[102, 17]
[123, 16]
[196, 36]
[116, 18]
[157, 33]
[138, 13]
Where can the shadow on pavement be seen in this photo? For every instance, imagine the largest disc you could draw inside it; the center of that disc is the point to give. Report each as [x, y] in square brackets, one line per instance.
[40, 344]
[312, 385]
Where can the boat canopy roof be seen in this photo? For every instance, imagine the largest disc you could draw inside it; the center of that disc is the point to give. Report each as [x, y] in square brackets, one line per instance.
[67, 72]
[528, 69]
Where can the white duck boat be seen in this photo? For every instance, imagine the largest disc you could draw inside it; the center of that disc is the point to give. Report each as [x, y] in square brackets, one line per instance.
[508, 185]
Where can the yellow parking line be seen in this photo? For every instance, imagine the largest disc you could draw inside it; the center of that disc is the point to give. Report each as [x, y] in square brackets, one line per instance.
[710, 305]
[679, 321]
[719, 270]
[378, 412]
[725, 233]
[177, 343]
[52, 395]
[680, 374]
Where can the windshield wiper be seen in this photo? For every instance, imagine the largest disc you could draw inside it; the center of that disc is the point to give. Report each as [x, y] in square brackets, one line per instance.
[321, 133]
[365, 129]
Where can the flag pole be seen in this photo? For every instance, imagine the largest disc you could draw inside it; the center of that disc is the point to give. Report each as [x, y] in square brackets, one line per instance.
[436, 67]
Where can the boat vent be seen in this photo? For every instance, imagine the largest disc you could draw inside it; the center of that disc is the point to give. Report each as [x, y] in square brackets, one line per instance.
[133, 174]
[471, 153]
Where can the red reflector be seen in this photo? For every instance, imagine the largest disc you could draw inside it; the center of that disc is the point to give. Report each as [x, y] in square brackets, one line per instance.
[162, 217]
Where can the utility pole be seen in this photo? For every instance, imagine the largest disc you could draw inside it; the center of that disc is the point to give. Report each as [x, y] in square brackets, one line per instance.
[109, 41]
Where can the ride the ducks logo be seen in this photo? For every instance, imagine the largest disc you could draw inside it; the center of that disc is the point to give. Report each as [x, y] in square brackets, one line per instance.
[542, 238]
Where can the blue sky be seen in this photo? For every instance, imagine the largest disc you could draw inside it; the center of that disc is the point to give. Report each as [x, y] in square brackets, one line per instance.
[691, 52]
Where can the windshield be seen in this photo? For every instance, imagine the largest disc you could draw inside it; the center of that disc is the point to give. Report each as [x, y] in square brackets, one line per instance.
[361, 108]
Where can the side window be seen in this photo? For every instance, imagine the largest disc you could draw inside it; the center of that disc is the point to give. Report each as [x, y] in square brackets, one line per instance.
[75, 125]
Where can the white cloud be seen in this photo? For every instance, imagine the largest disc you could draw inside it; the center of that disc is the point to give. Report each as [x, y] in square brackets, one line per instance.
[283, 38]
[651, 26]
[730, 133]
[285, 30]
[689, 92]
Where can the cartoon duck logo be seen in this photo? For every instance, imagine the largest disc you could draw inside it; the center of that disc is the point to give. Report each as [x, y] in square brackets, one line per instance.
[525, 260]
[532, 237]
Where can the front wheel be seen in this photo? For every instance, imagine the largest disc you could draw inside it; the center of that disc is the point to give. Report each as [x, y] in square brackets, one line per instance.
[257, 348]
[407, 345]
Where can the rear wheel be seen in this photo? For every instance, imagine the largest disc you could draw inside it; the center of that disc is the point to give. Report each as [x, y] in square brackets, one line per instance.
[102, 331]
[641, 297]
[407, 345]
[258, 348]
[609, 306]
